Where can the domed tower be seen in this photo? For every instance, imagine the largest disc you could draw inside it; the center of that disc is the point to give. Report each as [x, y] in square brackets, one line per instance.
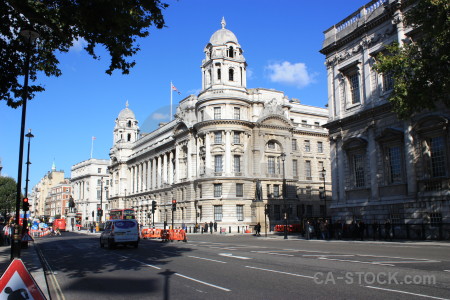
[126, 129]
[224, 65]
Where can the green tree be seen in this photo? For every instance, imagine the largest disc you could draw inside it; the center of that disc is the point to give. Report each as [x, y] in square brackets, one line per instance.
[421, 67]
[114, 24]
[8, 190]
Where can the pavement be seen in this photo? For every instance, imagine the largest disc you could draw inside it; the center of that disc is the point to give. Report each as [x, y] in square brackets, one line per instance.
[32, 259]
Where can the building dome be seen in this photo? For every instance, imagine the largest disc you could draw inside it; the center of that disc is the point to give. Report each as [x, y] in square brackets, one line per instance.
[126, 113]
[223, 36]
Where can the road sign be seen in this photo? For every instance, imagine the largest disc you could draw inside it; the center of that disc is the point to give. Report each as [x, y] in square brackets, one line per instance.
[27, 238]
[17, 283]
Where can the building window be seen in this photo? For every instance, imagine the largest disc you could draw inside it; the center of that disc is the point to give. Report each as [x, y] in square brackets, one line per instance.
[202, 116]
[217, 113]
[435, 219]
[218, 213]
[394, 160]
[294, 145]
[320, 168]
[271, 165]
[237, 163]
[237, 113]
[309, 210]
[200, 191]
[308, 170]
[388, 81]
[219, 74]
[99, 170]
[231, 75]
[271, 145]
[358, 170]
[236, 137]
[294, 168]
[239, 190]
[218, 163]
[268, 191]
[307, 146]
[355, 94]
[218, 137]
[240, 212]
[231, 52]
[320, 147]
[276, 190]
[217, 190]
[437, 154]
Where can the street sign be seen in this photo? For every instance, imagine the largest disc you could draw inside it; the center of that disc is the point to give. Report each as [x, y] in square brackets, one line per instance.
[27, 238]
[17, 283]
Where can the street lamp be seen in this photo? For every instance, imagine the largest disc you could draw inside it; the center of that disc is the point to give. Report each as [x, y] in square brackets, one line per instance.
[323, 173]
[30, 37]
[283, 158]
[29, 135]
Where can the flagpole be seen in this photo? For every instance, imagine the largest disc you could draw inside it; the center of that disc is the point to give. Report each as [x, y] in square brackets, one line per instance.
[171, 95]
[92, 146]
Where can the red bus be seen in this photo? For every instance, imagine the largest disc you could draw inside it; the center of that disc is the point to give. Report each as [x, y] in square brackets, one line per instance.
[122, 214]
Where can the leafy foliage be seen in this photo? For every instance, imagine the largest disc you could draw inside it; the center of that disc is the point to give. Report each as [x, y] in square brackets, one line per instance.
[421, 68]
[8, 190]
[114, 24]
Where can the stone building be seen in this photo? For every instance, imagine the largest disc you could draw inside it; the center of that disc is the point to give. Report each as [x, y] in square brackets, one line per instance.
[90, 183]
[383, 168]
[221, 158]
[58, 199]
[41, 192]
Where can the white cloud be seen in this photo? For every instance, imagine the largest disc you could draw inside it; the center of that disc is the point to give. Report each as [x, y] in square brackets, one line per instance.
[290, 73]
[78, 44]
[160, 116]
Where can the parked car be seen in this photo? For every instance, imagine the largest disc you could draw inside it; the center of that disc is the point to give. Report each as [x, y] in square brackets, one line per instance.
[123, 232]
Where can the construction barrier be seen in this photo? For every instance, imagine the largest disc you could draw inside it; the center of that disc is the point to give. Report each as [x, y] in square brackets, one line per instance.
[39, 232]
[174, 235]
[290, 228]
[151, 233]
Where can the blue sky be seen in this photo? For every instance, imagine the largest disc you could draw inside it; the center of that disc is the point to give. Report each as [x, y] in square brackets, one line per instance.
[281, 42]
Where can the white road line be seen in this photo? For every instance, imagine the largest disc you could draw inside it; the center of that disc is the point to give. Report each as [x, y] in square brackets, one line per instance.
[403, 292]
[312, 251]
[203, 282]
[322, 255]
[233, 256]
[222, 262]
[367, 255]
[355, 261]
[145, 264]
[446, 270]
[280, 254]
[408, 261]
[280, 272]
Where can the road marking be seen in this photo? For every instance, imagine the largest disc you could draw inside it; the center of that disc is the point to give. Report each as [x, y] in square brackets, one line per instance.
[403, 292]
[222, 262]
[367, 255]
[233, 256]
[408, 261]
[322, 255]
[203, 282]
[280, 254]
[59, 293]
[145, 264]
[280, 272]
[312, 251]
[446, 270]
[355, 261]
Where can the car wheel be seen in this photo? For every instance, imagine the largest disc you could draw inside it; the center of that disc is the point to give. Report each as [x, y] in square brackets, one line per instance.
[101, 244]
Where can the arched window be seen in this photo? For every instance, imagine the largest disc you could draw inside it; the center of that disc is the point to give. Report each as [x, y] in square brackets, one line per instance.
[129, 137]
[129, 124]
[219, 75]
[231, 52]
[231, 75]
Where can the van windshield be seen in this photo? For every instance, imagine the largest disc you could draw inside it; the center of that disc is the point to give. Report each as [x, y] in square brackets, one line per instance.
[125, 224]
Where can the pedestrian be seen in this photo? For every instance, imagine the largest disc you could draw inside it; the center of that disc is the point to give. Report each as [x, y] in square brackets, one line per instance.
[57, 232]
[6, 234]
[91, 228]
[323, 230]
[215, 226]
[361, 227]
[376, 230]
[387, 230]
[206, 226]
[2, 225]
[211, 226]
[339, 229]
[258, 229]
[307, 230]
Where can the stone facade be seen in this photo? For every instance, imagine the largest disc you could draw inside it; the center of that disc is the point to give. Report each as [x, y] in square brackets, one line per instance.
[222, 144]
[90, 182]
[383, 167]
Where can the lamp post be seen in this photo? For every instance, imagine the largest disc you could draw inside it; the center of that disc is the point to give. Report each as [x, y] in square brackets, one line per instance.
[29, 135]
[283, 158]
[324, 172]
[125, 199]
[30, 37]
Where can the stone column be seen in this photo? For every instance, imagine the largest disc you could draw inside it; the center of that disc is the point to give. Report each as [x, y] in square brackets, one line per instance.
[208, 163]
[159, 172]
[170, 179]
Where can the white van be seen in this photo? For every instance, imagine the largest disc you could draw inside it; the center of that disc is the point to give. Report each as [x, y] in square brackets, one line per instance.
[125, 232]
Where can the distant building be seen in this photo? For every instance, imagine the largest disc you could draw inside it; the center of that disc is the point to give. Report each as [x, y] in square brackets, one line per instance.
[220, 158]
[383, 168]
[41, 192]
[58, 200]
[90, 182]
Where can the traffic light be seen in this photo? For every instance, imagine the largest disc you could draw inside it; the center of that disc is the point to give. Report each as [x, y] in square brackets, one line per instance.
[99, 212]
[174, 205]
[25, 204]
[153, 206]
[93, 214]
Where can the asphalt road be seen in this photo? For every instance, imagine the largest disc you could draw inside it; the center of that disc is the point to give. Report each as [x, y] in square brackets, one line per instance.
[245, 267]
